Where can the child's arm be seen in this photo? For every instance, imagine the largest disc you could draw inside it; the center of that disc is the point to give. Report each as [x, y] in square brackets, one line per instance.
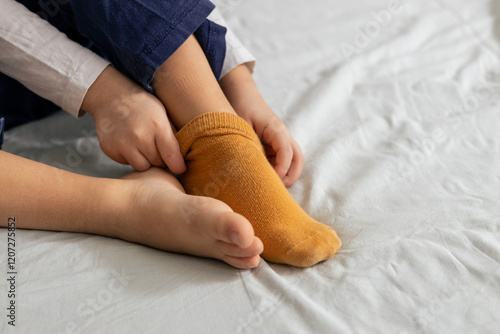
[45, 60]
[241, 91]
[132, 125]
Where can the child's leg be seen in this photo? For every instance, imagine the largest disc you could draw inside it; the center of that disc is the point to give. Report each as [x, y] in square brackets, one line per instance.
[225, 160]
[187, 87]
[150, 208]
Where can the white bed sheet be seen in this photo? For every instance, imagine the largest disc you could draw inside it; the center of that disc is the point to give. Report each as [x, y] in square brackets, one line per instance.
[403, 161]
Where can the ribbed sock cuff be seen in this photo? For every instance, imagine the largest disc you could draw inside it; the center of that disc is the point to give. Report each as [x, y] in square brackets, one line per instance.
[214, 124]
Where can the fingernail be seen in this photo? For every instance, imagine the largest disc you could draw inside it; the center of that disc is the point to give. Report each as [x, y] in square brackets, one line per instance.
[235, 237]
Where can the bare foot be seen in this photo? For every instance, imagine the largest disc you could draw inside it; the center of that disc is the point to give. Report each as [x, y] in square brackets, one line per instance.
[163, 216]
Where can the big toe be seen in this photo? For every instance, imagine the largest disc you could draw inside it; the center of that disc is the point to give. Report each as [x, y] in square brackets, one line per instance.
[234, 229]
[237, 244]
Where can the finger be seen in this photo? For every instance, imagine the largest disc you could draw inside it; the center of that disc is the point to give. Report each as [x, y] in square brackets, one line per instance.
[137, 160]
[284, 154]
[279, 139]
[117, 157]
[296, 166]
[169, 149]
[151, 153]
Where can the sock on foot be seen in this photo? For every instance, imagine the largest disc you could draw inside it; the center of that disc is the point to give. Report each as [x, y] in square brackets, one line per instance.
[226, 161]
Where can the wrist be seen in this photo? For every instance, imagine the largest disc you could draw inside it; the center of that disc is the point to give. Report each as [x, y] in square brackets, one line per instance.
[110, 86]
[93, 97]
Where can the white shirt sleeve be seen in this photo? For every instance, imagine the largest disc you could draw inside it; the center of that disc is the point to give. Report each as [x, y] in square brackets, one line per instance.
[45, 60]
[236, 53]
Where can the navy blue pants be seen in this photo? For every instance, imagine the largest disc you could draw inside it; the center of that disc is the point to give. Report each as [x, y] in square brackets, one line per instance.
[136, 36]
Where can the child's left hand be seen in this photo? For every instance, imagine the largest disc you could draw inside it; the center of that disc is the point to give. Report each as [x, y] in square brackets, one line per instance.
[281, 149]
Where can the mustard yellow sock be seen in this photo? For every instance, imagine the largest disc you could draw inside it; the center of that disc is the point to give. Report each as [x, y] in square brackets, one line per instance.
[226, 161]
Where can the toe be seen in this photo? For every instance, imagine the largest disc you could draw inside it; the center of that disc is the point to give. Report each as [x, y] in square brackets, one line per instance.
[234, 229]
[233, 250]
[243, 262]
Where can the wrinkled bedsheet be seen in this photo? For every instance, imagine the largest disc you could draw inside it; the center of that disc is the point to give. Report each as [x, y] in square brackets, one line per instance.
[396, 108]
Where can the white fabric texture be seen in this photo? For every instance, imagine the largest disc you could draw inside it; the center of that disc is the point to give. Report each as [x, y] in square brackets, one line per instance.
[398, 121]
[236, 53]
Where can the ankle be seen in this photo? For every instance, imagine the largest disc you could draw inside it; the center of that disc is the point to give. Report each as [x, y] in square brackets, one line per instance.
[187, 98]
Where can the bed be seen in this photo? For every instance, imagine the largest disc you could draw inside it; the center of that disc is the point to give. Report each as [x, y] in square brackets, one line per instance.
[396, 108]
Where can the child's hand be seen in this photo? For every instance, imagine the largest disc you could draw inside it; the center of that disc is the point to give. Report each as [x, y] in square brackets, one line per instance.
[281, 149]
[131, 124]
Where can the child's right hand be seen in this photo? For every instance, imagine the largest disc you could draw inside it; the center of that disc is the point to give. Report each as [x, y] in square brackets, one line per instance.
[132, 125]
